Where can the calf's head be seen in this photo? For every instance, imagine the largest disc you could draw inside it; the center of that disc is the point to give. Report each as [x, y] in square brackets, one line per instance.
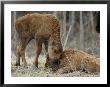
[55, 53]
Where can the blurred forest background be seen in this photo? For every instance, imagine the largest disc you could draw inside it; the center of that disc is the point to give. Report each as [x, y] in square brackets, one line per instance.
[78, 30]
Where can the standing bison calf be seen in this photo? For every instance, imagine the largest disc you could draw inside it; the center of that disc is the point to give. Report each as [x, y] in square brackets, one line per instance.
[75, 60]
[44, 28]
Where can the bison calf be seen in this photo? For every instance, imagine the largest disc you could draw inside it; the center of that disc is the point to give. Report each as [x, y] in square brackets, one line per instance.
[75, 60]
[44, 28]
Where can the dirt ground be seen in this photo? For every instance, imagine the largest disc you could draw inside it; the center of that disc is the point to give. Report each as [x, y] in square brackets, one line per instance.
[41, 71]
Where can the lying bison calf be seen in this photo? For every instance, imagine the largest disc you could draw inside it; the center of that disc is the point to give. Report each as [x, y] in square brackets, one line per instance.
[44, 28]
[75, 60]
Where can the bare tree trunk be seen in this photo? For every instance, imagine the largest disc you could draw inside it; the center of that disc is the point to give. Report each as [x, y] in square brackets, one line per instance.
[63, 26]
[66, 39]
[71, 24]
[61, 19]
[72, 19]
[81, 31]
[55, 13]
[14, 18]
[13, 31]
[93, 29]
[15, 15]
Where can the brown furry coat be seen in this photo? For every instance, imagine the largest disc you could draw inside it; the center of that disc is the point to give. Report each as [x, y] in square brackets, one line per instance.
[75, 60]
[44, 28]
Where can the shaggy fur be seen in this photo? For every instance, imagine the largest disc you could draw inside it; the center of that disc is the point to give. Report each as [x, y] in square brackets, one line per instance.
[76, 60]
[44, 28]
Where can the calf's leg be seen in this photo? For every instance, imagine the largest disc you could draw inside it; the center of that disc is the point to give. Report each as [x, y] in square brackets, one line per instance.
[38, 51]
[20, 52]
[47, 56]
[18, 56]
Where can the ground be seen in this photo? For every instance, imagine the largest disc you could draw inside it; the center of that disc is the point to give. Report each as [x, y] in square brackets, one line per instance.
[41, 71]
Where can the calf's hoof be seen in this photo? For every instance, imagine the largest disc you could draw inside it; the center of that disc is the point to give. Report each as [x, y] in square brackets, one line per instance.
[35, 64]
[46, 65]
[17, 64]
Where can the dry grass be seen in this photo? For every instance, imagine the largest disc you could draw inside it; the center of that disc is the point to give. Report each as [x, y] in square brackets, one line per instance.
[41, 71]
